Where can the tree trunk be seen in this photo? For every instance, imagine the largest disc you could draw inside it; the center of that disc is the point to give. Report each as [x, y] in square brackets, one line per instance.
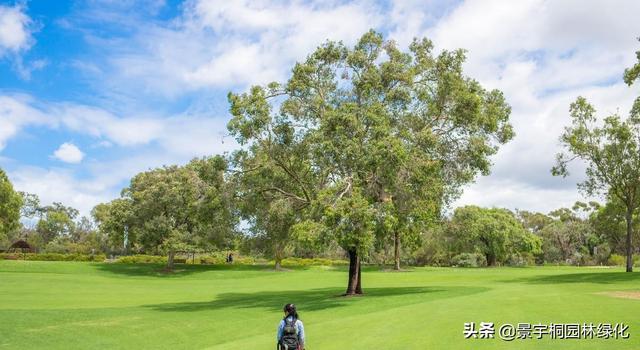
[396, 250]
[491, 259]
[629, 218]
[170, 259]
[359, 284]
[354, 286]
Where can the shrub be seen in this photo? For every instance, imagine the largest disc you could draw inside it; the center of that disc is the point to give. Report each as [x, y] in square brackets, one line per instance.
[521, 259]
[617, 260]
[469, 260]
[244, 260]
[296, 262]
[52, 257]
[142, 259]
[211, 260]
[621, 260]
[602, 253]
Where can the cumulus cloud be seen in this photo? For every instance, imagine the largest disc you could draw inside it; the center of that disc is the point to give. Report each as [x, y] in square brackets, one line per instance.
[68, 153]
[148, 142]
[16, 112]
[15, 29]
[541, 54]
[223, 44]
[60, 185]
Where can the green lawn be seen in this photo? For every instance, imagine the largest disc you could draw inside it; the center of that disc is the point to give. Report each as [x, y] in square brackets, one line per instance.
[67, 305]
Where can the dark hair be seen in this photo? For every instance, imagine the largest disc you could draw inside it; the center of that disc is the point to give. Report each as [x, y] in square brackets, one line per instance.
[290, 309]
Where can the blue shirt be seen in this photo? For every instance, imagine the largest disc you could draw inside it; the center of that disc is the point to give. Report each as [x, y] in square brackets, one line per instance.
[299, 326]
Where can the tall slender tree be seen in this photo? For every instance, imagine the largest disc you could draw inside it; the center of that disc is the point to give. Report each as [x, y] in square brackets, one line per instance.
[611, 150]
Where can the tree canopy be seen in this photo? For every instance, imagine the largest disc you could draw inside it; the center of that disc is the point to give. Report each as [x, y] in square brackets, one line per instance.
[10, 204]
[381, 137]
[172, 209]
[496, 233]
[611, 150]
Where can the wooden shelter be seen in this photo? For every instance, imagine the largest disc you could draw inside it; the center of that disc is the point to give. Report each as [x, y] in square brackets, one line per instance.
[20, 246]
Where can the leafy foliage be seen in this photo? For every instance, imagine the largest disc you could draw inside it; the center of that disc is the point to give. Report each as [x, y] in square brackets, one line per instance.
[495, 233]
[10, 204]
[369, 141]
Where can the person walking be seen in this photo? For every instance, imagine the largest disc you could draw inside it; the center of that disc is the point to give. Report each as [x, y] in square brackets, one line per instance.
[290, 334]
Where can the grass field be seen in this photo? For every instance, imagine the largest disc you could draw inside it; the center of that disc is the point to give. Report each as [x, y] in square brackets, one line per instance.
[68, 305]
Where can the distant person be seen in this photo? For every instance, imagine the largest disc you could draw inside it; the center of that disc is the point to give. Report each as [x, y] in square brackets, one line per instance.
[230, 258]
[290, 330]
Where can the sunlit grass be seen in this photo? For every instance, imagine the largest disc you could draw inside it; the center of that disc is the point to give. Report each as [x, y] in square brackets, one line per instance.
[68, 305]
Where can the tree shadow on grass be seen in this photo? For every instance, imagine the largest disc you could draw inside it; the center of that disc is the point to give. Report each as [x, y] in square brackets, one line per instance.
[320, 299]
[589, 277]
[158, 270]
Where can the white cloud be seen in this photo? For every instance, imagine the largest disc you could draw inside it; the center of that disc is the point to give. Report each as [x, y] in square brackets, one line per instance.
[69, 153]
[15, 29]
[542, 54]
[232, 43]
[124, 131]
[60, 185]
[16, 112]
[149, 142]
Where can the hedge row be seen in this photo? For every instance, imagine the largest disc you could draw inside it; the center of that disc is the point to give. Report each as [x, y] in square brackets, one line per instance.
[52, 257]
[156, 259]
[621, 260]
[292, 262]
[142, 259]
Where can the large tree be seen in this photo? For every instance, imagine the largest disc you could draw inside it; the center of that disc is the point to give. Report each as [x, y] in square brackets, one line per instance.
[631, 75]
[496, 233]
[533, 221]
[609, 222]
[611, 150]
[10, 204]
[164, 205]
[274, 184]
[113, 220]
[56, 220]
[387, 133]
[216, 213]
[173, 208]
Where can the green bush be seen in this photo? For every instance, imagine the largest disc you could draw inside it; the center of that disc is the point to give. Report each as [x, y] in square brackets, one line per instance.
[521, 259]
[617, 260]
[211, 260]
[53, 257]
[244, 260]
[469, 260]
[297, 262]
[142, 259]
[602, 253]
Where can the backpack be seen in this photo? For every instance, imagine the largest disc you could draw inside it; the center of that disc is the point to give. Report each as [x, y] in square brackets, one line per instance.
[289, 340]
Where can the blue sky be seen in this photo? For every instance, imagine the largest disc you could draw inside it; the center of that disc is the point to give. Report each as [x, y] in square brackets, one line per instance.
[95, 91]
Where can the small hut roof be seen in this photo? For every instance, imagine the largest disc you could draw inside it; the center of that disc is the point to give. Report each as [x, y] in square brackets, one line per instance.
[21, 244]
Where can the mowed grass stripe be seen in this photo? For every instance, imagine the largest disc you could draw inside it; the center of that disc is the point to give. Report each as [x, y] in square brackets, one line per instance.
[66, 305]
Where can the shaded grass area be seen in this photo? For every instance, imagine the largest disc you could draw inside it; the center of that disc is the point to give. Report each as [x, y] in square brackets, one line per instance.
[159, 270]
[69, 305]
[313, 300]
